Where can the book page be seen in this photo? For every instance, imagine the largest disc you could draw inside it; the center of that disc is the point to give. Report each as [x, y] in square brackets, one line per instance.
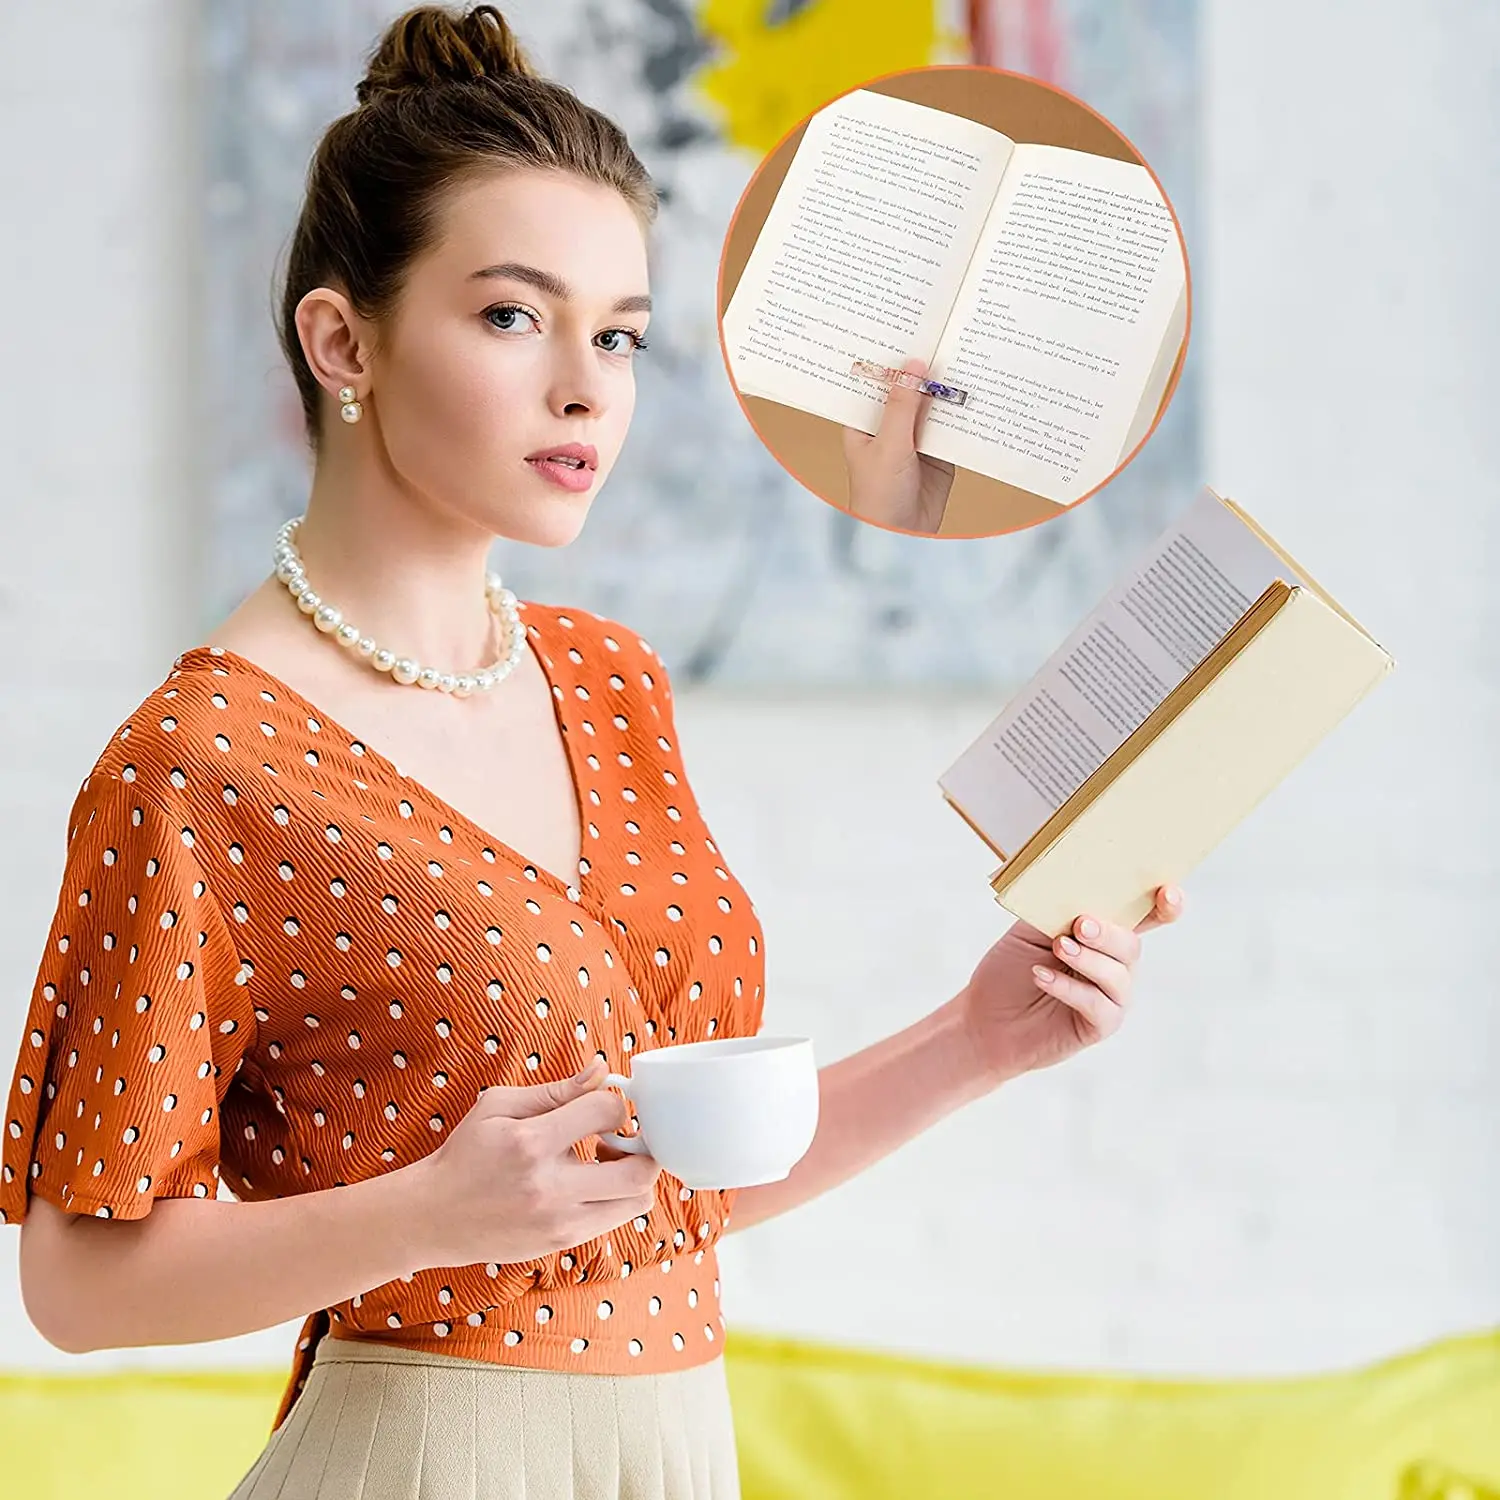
[1156, 382]
[1059, 324]
[862, 252]
[1146, 635]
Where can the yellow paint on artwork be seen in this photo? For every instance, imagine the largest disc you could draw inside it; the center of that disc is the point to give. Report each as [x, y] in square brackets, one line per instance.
[765, 75]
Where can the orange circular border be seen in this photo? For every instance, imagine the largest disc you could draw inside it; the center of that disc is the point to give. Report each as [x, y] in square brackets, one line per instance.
[1172, 380]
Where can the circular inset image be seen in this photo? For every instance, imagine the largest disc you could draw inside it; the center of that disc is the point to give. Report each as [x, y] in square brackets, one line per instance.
[954, 301]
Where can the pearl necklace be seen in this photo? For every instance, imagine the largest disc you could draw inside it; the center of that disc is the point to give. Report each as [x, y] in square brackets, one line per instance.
[403, 669]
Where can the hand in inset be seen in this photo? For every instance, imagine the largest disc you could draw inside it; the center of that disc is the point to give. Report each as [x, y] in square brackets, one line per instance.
[889, 481]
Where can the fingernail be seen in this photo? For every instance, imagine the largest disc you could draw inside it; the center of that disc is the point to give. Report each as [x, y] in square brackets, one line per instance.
[1069, 947]
[583, 1072]
[1089, 927]
[1046, 976]
[1174, 896]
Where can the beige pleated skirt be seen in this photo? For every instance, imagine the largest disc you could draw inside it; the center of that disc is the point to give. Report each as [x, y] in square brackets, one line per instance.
[385, 1423]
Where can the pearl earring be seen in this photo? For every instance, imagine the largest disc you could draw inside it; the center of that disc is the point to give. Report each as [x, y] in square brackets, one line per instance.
[351, 410]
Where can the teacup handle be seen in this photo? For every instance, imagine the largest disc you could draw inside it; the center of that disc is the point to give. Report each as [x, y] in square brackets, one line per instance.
[634, 1144]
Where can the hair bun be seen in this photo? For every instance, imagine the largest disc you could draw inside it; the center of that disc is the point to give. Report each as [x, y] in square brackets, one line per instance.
[430, 45]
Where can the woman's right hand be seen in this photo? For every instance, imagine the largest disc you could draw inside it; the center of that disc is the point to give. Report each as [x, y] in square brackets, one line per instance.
[506, 1184]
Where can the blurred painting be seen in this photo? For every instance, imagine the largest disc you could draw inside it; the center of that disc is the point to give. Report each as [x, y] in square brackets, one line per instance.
[700, 541]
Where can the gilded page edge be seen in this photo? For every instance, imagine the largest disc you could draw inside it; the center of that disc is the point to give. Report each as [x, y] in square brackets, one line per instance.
[1264, 536]
[994, 847]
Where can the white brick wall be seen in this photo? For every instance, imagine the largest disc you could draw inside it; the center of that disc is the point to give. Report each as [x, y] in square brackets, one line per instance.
[1286, 1160]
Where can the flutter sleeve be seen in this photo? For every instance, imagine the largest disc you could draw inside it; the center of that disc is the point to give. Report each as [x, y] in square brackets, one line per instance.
[136, 1024]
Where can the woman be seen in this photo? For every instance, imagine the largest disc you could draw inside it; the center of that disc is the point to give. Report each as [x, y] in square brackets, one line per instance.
[299, 941]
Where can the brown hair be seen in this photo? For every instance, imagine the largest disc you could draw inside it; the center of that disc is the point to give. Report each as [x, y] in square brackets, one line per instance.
[445, 97]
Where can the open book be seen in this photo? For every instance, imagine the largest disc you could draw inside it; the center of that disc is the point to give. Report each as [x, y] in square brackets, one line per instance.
[1048, 284]
[1197, 684]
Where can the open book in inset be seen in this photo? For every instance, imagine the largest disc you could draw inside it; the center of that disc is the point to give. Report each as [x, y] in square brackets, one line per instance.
[1047, 283]
[1197, 684]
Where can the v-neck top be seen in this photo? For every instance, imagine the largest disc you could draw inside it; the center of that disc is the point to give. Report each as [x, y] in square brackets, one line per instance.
[276, 957]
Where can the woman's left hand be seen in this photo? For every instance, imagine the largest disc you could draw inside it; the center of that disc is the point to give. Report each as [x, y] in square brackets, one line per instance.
[1033, 1001]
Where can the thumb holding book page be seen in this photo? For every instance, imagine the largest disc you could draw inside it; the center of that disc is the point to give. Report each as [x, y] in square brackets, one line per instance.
[1033, 1001]
[890, 483]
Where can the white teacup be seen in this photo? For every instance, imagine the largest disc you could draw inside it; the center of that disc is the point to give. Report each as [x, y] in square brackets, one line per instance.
[727, 1113]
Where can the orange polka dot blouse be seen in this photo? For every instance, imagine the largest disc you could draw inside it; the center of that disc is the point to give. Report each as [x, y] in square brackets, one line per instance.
[276, 957]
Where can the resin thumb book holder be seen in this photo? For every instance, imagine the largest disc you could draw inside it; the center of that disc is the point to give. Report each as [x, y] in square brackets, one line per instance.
[1189, 693]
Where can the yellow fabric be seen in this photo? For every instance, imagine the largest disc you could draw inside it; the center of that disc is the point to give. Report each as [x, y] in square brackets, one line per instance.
[820, 1423]
[1438, 1482]
[833, 1424]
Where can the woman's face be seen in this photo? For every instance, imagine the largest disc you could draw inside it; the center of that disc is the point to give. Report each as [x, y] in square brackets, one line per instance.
[514, 338]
